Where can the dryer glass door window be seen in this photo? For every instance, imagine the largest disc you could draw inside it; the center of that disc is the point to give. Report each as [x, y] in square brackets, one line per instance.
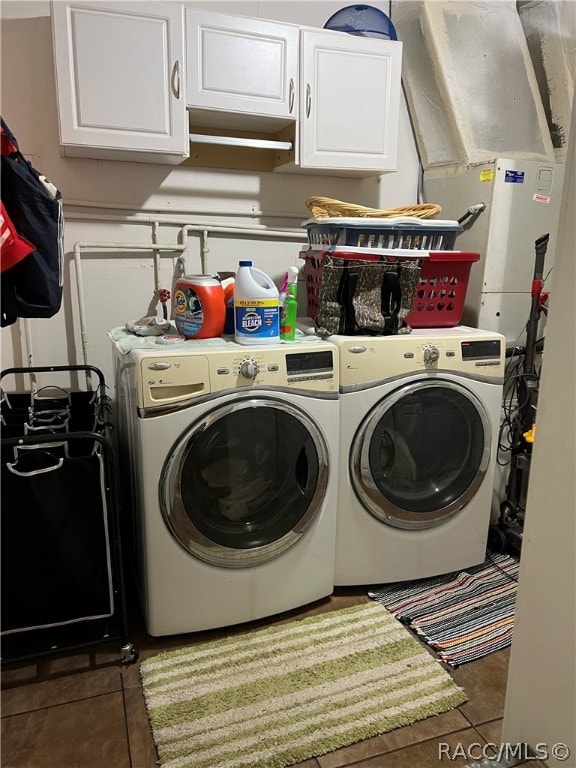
[243, 483]
[421, 454]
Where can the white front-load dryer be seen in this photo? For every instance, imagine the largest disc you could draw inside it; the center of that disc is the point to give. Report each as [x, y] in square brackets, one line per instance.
[232, 452]
[419, 422]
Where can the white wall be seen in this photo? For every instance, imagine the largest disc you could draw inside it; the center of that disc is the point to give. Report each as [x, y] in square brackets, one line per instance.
[541, 694]
[120, 287]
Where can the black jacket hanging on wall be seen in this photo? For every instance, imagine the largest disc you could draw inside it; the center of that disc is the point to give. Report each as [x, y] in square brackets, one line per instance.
[32, 247]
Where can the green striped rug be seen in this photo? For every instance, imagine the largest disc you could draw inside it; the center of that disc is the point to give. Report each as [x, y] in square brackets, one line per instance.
[278, 696]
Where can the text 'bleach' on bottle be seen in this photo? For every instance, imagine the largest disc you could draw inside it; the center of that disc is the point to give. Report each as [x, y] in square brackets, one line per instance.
[256, 306]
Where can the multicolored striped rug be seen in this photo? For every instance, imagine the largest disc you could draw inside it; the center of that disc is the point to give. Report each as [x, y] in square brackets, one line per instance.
[281, 695]
[463, 616]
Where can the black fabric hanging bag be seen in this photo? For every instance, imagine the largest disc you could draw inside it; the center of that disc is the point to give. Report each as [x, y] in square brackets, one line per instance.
[55, 543]
[33, 286]
[365, 297]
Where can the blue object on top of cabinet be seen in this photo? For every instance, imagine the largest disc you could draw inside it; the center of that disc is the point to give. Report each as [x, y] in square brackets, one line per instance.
[363, 20]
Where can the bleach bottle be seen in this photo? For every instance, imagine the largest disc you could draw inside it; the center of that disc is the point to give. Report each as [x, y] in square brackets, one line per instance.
[256, 306]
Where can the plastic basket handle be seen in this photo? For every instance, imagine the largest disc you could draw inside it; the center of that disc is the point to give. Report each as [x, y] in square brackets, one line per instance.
[37, 470]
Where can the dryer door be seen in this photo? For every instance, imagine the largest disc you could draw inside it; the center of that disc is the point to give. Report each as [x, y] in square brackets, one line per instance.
[243, 483]
[421, 454]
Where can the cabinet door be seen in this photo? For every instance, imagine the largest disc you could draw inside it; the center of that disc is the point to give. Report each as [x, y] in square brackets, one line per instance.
[349, 101]
[120, 76]
[241, 65]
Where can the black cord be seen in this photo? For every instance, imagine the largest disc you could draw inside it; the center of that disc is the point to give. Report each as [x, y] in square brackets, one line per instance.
[495, 564]
[515, 398]
[512, 374]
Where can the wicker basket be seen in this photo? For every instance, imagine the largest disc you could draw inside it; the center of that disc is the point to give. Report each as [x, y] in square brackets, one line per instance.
[323, 207]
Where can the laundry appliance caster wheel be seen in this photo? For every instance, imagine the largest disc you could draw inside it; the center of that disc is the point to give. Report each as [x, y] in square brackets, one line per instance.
[129, 653]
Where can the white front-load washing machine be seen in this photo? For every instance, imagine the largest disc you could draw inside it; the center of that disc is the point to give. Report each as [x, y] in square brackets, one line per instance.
[232, 454]
[419, 422]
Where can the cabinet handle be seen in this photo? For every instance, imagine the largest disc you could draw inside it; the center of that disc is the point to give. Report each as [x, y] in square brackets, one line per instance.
[175, 79]
[308, 99]
[291, 96]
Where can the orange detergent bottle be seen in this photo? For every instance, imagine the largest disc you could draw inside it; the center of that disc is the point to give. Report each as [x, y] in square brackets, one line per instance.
[199, 308]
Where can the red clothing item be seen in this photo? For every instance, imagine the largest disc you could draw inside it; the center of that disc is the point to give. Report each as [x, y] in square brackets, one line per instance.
[13, 247]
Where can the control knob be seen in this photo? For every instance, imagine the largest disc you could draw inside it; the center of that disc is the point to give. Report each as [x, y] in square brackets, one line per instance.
[249, 368]
[431, 354]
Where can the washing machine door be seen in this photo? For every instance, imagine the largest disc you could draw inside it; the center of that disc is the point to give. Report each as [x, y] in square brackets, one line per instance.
[245, 481]
[421, 454]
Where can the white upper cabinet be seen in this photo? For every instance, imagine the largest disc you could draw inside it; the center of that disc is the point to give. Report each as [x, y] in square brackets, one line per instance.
[240, 67]
[349, 101]
[140, 79]
[120, 79]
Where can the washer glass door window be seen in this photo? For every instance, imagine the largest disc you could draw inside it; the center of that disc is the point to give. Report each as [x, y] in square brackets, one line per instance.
[421, 454]
[244, 482]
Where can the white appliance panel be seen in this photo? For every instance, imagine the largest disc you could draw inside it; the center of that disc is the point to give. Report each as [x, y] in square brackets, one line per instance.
[173, 398]
[181, 593]
[522, 200]
[459, 372]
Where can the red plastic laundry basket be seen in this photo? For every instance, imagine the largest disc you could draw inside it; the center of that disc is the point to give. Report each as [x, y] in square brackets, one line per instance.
[440, 293]
[441, 290]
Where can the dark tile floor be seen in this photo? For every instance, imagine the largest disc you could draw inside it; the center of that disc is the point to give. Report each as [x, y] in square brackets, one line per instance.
[85, 709]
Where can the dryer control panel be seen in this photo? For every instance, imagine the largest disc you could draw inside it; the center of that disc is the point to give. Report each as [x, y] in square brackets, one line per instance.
[466, 351]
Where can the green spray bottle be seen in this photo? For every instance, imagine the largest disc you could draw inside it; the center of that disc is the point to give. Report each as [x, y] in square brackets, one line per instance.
[289, 309]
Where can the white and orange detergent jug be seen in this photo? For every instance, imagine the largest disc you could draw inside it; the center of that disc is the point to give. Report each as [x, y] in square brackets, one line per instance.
[199, 306]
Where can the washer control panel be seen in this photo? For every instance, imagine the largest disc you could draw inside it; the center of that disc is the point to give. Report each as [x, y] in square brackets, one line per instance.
[171, 377]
